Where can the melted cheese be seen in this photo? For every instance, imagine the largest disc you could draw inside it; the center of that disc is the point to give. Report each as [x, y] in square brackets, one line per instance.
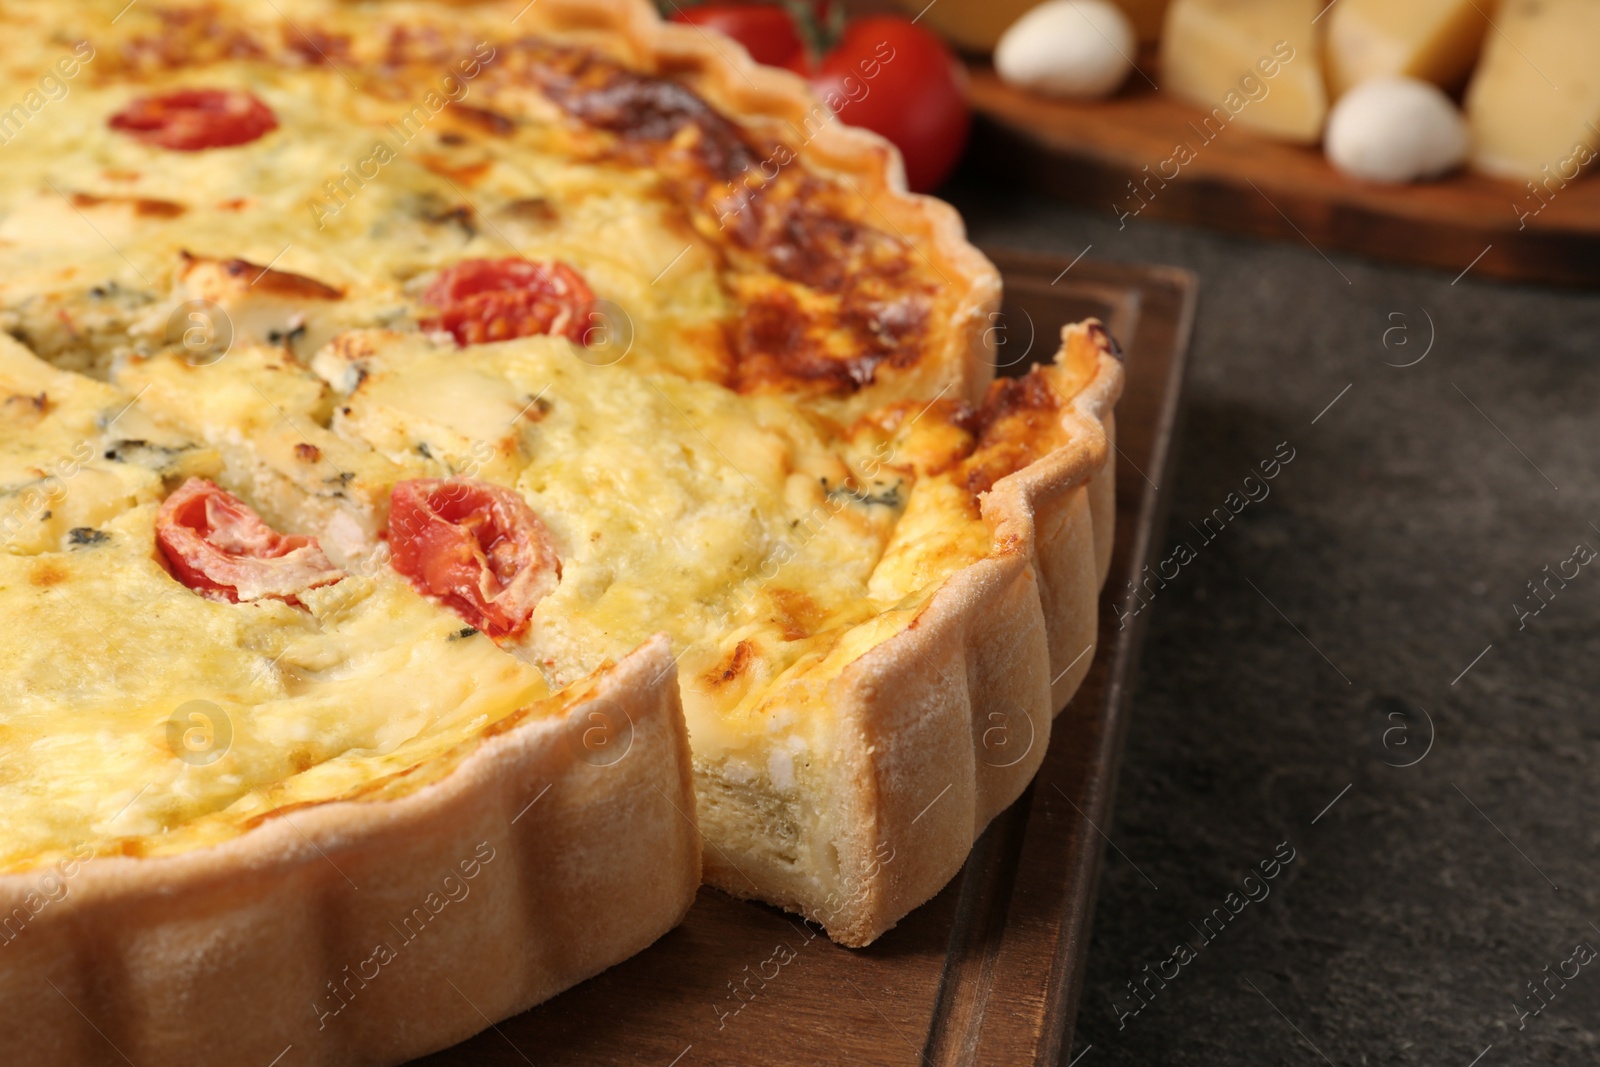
[266, 416]
[757, 534]
[105, 651]
[760, 537]
[74, 453]
[361, 192]
[298, 705]
[412, 136]
[773, 545]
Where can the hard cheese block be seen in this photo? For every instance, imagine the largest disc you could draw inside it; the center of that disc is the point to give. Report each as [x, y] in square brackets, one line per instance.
[1534, 104]
[1250, 61]
[1435, 40]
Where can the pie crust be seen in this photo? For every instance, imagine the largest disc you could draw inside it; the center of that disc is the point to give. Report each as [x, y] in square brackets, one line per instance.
[528, 868]
[947, 722]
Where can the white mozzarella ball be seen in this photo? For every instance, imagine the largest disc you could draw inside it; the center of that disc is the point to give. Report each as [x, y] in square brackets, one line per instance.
[1394, 129]
[1079, 48]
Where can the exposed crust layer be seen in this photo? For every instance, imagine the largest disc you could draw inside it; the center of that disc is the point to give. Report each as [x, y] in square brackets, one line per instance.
[542, 860]
[1010, 639]
[942, 726]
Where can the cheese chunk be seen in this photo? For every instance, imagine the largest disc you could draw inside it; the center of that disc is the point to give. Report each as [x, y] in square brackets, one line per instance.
[1254, 61]
[1535, 100]
[76, 452]
[264, 415]
[1435, 40]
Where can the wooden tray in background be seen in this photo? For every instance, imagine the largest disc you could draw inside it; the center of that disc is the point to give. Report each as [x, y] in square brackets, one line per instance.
[987, 972]
[1240, 181]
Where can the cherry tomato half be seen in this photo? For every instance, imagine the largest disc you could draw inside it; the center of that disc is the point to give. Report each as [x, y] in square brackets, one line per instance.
[476, 546]
[767, 31]
[215, 544]
[899, 80]
[189, 120]
[483, 300]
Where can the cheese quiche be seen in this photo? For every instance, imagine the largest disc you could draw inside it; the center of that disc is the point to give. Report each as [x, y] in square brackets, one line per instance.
[457, 460]
[237, 773]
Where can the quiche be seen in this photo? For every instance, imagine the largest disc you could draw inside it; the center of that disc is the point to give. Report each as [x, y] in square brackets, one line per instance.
[468, 473]
[264, 784]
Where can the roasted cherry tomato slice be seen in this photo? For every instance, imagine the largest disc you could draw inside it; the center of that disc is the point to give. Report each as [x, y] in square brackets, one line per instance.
[215, 544]
[899, 80]
[482, 300]
[189, 120]
[767, 31]
[477, 547]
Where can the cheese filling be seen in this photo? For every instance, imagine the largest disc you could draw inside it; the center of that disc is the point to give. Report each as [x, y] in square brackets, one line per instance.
[756, 533]
[772, 545]
[138, 717]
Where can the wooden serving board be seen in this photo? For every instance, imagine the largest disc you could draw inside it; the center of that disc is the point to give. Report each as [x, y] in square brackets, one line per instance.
[988, 972]
[1240, 181]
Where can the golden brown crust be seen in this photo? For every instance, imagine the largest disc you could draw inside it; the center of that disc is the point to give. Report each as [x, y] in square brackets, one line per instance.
[540, 861]
[1010, 638]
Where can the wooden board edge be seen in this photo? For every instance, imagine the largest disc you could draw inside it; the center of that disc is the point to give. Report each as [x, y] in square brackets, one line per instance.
[1154, 513]
[984, 967]
[1095, 180]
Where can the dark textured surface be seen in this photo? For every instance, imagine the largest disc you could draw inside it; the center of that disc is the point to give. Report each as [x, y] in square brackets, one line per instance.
[1303, 649]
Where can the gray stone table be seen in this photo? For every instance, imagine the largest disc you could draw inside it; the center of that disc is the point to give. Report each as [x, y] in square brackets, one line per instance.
[1377, 596]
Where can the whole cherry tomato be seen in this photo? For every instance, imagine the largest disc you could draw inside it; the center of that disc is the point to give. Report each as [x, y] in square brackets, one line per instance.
[898, 79]
[767, 31]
